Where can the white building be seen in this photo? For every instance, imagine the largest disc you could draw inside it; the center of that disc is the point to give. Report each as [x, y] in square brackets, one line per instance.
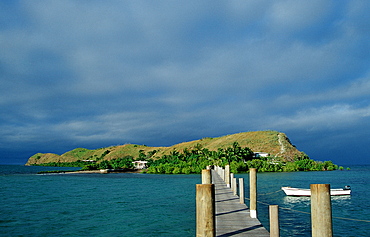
[139, 164]
[261, 154]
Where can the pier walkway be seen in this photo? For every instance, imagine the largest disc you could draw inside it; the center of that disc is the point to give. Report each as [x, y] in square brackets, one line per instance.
[232, 217]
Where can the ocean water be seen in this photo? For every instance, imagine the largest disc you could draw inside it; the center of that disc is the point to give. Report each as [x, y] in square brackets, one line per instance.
[128, 204]
[95, 204]
[294, 212]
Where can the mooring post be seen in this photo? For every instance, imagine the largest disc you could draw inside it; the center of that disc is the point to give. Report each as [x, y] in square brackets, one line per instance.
[227, 175]
[206, 176]
[321, 215]
[274, 220]
[241, 190]
[235, 186]
[253, 192]
[205, 210]
[231, 181]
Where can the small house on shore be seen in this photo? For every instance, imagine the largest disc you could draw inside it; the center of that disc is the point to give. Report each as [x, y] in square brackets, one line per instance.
[261, 154]
[139, 164]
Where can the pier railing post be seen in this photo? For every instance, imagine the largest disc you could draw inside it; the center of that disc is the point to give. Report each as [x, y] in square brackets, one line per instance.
[241, 190]
[234, 186]
[205, 210]
[231, 181]
[227, 175]
[321, 215]
[253, 192]
[274, 220]
[206, 176]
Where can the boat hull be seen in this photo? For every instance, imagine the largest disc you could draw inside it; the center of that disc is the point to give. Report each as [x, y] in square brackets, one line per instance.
[307, 192]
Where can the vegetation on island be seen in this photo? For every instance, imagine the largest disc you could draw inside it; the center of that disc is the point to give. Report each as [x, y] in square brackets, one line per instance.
[240, 160]
[120, 163]
[191, 157]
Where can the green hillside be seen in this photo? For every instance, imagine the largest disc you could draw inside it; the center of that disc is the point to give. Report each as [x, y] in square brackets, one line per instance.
[275, 143]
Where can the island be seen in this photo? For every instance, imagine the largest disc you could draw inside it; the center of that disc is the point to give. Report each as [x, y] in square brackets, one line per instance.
[267, 151]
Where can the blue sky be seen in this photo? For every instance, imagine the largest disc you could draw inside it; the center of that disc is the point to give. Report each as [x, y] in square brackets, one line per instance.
[99, 73]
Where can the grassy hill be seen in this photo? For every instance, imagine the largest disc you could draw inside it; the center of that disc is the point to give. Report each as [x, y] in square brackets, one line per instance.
[275, 143]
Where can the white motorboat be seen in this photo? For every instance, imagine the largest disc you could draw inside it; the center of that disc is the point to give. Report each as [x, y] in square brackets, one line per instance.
[307, 192]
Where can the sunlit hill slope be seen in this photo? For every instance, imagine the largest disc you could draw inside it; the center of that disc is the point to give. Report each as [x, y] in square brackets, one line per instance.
[275, 143]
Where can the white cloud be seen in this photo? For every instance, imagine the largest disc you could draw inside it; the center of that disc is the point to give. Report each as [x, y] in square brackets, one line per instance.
[291, 16]
[355, 91]
[335, 117]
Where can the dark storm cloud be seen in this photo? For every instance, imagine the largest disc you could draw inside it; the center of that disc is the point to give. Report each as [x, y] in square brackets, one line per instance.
[92, 74]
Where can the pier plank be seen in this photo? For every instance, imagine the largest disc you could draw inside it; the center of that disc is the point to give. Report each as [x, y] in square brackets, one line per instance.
[232, 217]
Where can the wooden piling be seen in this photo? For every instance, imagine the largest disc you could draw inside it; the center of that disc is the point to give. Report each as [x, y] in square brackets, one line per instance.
[206, 176]
[321, 215]
[253, 192]
[241, 190]
[234, 186]
[205, 210]
[227, 175]
[231, 180]
[274, 220]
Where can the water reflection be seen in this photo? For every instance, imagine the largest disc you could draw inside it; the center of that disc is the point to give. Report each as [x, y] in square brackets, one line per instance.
[341, 198]
[296, 200]
[303, 200]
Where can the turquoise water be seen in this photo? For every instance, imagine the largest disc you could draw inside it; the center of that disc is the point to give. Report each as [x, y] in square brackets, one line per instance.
[96, 204]
[295, 223]
[158, 205]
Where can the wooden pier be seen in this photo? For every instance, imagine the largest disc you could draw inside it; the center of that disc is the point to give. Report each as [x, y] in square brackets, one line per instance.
[232, 217]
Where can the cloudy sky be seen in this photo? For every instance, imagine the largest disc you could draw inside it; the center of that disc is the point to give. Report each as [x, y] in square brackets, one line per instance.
[86, 73]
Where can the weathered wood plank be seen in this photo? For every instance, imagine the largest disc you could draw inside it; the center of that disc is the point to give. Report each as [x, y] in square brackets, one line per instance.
[232, 217]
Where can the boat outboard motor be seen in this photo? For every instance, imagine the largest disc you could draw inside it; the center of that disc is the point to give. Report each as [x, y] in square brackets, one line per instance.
[347, 187]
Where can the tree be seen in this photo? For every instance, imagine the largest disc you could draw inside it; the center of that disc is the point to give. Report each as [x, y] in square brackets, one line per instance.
[105, 165]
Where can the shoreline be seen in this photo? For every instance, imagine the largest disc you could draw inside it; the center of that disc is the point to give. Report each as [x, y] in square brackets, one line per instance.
[101, 171]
